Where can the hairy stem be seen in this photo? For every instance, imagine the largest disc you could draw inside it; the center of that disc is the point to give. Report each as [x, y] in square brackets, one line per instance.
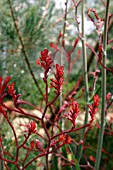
[102, 126]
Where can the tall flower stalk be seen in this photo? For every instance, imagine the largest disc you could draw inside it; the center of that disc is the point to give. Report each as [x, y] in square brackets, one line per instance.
[61, 57]
[102, 126]
[85, 75]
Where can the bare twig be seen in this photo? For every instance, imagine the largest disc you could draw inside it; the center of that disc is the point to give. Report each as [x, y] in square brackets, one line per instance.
[44, 14]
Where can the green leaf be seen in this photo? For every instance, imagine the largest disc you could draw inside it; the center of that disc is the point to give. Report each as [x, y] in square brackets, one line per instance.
[64, 153]
[55, 163]
[75, 160]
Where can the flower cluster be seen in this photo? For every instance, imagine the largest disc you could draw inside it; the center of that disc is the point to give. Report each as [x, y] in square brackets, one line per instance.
[57, 83]
[72, 115]
[31, 128]
[2, 90]
[94, 107]
[11, 90]
[62, 140]
[45, 60]
[36, 144]
[3, 85]
[39, 146]
[13, 94]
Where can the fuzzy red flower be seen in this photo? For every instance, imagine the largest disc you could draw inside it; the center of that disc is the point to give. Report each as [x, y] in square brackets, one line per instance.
[4, 84]
[92, 158]
[94, 107]
[58, 82]
[45, 60]
[59, 71]
[39, 146]
[2, 89]
[65, 139]
[75, 107]
[31, 127]
[11, 89]
[32, 145]
[72, 115]
[96, 100]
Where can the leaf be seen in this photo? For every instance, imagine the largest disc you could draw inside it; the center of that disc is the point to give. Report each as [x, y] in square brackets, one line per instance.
[75, 160]
[64, 153]
[55, 163]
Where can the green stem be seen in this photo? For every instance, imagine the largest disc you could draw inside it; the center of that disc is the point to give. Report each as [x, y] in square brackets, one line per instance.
[85, 76]
[102, 126]
[1, 161]
[61, 57]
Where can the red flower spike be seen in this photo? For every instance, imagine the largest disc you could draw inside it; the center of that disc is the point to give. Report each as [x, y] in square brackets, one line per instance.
[45, 51]
[75, 107]
[32, 145]
[3, 86]
[32, 127]
[65, 139]
[54, 81]
[12, 93]
[39, 146]
[57, 84]
[59, 70]
[68, 139]
[61, 138]
[2, 89]
[53, 143]
[45, 60]
[94, 107]
[72, 115]
[96, 100]
[92, 158]
[11, 89]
